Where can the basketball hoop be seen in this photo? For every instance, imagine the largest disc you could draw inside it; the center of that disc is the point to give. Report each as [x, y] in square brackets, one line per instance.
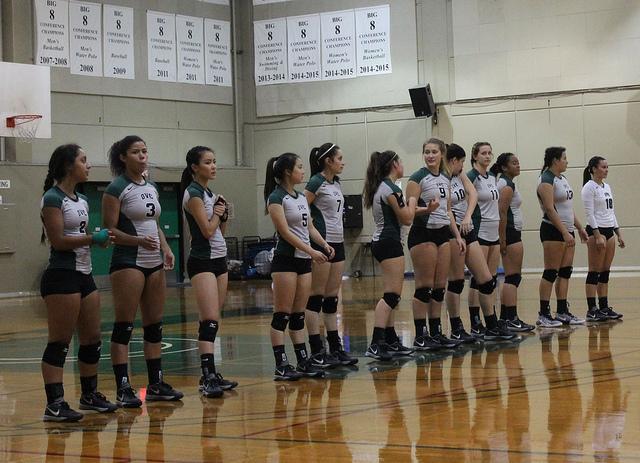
[24, 126]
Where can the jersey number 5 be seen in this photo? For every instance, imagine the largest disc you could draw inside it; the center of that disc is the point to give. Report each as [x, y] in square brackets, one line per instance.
[304, 219]
[152, 209]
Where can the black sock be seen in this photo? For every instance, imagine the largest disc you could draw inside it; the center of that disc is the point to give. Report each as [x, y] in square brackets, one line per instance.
[474, 314]
[89, 384]
[54, 392]
[545, 309]
[491, 321]
[512, 312]
[280, 355]
[378, 335]
[562, 306]
[421, 325]
[390, 335]
[333, 338]
[301, 352]
[154, 370]
[122, 374]
[503, 312]
[591, 302]
[456, 324]
[315, 343]
[208, 364]
[603, 302]
[435, 328]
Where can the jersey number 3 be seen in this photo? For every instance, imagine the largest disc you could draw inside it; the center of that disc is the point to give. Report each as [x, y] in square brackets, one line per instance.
[151, 209]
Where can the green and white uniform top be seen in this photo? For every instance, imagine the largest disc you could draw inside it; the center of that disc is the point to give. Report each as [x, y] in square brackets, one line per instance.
[432, 187]
[598, 205]
[387, 225]
[201, 247]
[327, 208]
[514, 213]
[486, 216]
[562, 198]
[139, 212]
[75, 216]
[459, 202]
[296, 211]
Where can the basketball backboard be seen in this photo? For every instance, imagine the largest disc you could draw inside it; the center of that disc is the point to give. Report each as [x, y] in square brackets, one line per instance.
[25, 89]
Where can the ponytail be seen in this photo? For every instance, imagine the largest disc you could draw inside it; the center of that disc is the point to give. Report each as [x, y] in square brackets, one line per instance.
[551, 153]
[186, 179]
[320, 154]
[275, 172]
[588, 171]
[380, 164]
[498, 167]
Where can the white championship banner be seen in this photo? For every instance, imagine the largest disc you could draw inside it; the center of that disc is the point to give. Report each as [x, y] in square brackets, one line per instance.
[85, 38]
[161, 46]
[338, 45]
[217, 49]
[373, 45]
[117, 24]
[190, 36]
[52, 32]
[303, 38]
[270, 51]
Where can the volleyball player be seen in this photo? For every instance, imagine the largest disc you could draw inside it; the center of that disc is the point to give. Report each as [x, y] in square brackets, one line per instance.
[602, 225]
[291, 266]
[206, 215]
[389, 212]
[324, 195]
[433, 227]
[130, 209]
[558, 238]
[506, 168]
[67, 285]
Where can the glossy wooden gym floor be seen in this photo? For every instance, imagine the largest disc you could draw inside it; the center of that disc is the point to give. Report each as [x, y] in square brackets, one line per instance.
[559, 395]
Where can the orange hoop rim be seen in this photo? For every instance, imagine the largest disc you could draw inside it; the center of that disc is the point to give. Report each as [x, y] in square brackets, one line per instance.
[18, 119]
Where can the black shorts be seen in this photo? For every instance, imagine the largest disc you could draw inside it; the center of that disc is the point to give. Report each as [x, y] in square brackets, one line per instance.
[513, 236]
[607, 232]
[217, 266]
[338, 256]
[470, 237]
[145, 271]
[488, 243]
[386, 249]
[63, 281]
[437, 236]
[550, 233]
[282, 263]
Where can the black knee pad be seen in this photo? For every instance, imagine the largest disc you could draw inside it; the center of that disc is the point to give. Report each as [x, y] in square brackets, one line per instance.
[550, 274]
[487, 287]
[455, 286]
[314, 303]
[391, 299]
[603, 277]
[296, 322]
[330, 304]
[565, 272]
[279, 321]
[513, 279]
[89, 353]
[423, 294]
[55, 354]
[153, 332]
[121, 333]
[592, 278]
[207, 330]
[473, 284]
[437, 294]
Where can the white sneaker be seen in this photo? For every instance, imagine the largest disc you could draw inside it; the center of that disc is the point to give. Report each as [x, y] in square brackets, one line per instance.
[569, 319]
[547, 321]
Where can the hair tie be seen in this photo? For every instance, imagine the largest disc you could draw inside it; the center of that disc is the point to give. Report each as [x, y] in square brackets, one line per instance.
[333, 145]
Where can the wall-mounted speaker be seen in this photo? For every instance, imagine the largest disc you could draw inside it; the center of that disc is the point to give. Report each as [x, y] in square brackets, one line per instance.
[422, 102]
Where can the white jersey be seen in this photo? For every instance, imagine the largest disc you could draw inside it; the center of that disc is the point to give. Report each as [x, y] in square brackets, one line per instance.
[432, 187]
[514, 213]
[296, 211]
[459, 202]
[75, 218]
[327, 208]
[201, 247]
[486, 216]
[598, 205]
[562, 198]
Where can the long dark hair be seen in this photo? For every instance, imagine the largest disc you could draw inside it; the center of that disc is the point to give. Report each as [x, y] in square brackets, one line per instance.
[475, 149]
[276, 169]
[455, 152]
[61, 160]
[194, 155]
[588, 171]
[551, 153]
[380, 164]
[120, 148]
[501, 163]
[319, 155]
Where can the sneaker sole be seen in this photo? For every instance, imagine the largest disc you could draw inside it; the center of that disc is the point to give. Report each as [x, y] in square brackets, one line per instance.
[162, 398]
[128, 404]
[377, 357]
[228, 387]
[285, 378]
[215, 395]
[402, 354]
[60, 419]
[98, 409]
